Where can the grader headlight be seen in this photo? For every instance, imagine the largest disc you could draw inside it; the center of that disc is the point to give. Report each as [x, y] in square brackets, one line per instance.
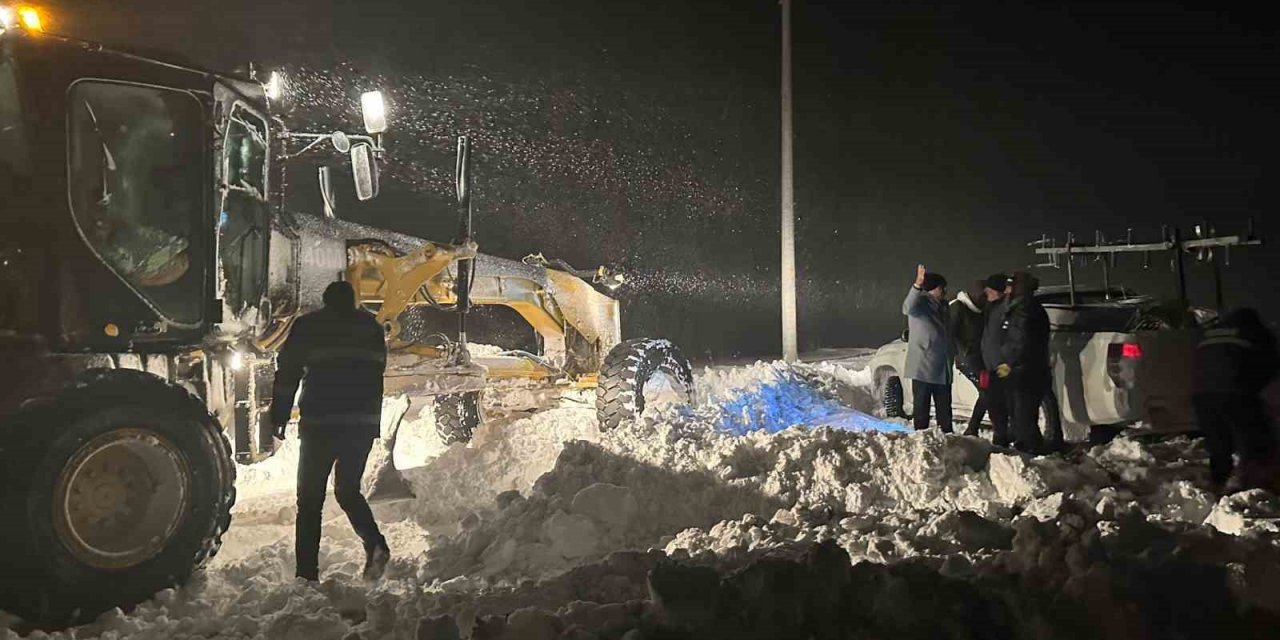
[374, 111]
[275, 86]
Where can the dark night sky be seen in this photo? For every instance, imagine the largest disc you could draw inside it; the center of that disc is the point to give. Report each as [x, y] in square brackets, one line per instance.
[645, 135]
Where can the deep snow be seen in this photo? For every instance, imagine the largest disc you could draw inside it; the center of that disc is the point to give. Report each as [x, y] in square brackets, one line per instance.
[725, 519]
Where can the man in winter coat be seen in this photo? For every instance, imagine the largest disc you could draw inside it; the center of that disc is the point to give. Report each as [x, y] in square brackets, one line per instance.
[1024, 361]
[928, 348]
[996, 290]
[339, 354]
[1234, 362]
[969, 318]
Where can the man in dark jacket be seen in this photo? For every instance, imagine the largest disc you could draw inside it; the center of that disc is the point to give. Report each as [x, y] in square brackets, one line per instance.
[339, 355]
[969, 328]
[1232, 365]
[996, 289]
[1024, 361]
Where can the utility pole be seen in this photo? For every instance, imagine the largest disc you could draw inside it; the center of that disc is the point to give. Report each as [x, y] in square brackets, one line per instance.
[790, 351]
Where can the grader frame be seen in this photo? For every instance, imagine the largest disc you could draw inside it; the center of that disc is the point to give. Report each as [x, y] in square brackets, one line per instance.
[563, 309]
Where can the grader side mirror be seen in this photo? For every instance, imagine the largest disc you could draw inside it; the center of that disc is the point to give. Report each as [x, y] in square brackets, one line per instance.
[340, 141]
[364, 169]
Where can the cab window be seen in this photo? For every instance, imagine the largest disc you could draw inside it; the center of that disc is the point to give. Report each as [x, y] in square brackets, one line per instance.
[14, 160]
[244, 222]
[136, 181]
[246, 152]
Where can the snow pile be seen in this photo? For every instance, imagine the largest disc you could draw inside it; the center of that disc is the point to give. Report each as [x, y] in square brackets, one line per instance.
[687, 524]
[644, 482]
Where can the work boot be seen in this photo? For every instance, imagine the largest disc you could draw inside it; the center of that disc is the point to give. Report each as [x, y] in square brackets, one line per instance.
[375, 561]
[971, 431]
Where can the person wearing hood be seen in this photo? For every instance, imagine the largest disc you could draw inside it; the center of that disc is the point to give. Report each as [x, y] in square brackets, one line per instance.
[968, 319]
[929, 348]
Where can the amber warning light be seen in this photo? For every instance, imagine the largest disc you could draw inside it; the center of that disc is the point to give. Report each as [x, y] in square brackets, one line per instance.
[20, 17]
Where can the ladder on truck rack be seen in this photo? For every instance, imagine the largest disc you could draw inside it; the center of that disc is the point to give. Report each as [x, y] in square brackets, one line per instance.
[1204, 244]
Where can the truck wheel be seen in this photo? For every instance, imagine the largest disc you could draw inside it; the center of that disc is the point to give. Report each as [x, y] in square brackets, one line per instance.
[457, 416]
[628, 370]
[123, 487]
[891, 397]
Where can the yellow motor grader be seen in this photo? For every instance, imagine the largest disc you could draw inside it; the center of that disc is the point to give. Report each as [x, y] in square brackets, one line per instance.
[148, 271]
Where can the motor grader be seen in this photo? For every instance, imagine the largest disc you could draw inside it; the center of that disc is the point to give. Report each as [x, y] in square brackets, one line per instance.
[148, 271]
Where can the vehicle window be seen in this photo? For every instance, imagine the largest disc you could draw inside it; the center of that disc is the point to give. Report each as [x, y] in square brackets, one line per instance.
[246, 152]
[244, 222]
[136, 181]
[14, 160]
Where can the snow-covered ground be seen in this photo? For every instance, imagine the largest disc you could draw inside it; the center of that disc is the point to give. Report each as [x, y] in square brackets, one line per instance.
[725, 520]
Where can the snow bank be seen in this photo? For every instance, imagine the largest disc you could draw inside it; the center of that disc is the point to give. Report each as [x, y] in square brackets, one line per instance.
[725, 520]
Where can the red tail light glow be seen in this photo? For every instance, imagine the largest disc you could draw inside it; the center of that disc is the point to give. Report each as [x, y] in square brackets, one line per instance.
[1130, 351]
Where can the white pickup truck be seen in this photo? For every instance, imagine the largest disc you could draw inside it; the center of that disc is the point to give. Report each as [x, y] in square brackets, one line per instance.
[1118, 360]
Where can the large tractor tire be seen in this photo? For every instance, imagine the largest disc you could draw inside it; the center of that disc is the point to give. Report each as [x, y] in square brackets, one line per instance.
[120, 487]
[629, 367]
[457, 416]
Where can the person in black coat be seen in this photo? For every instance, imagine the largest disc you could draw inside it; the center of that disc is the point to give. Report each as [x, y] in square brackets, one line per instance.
[995, 395]
[966, 333]
[339, 355]
[1024, 361]
[1233, 363]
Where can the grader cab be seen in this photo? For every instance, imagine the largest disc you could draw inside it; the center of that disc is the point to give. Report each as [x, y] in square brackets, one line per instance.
[148, 271]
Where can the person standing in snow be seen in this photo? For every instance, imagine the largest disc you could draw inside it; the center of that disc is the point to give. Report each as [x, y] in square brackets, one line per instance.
[1023, 362]
[339, 355]
[967, 321]
[928, 348]
[1233, 363]
[996, 290]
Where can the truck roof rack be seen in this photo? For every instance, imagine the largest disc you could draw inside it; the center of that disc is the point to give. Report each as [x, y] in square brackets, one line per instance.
[1204, 244]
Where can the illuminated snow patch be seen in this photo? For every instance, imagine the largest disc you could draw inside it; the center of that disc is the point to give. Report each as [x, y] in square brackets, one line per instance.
[785, 399]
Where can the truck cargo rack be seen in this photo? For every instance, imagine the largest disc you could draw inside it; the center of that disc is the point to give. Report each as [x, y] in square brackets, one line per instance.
[1204, 244]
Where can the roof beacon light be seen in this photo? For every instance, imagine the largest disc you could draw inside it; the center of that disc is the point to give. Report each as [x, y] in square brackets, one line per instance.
[375, 111]
[30, 19]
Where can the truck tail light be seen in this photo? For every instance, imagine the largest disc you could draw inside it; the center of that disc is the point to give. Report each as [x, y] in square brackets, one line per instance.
[1122, 363]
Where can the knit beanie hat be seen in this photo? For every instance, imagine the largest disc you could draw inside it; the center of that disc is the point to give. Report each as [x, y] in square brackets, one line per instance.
[933, 281]
[996, 281]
